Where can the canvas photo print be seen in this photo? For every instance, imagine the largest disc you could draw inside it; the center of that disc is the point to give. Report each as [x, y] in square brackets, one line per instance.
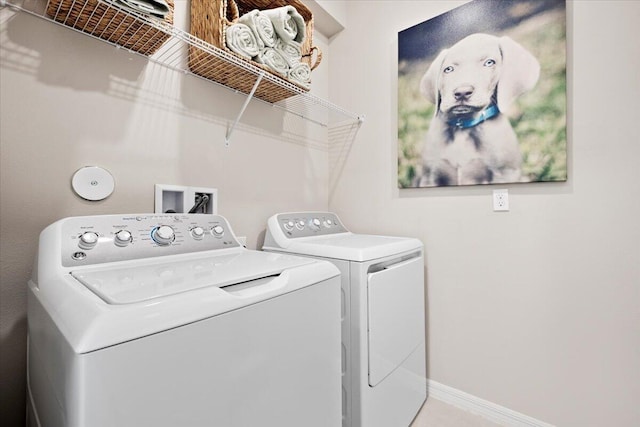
[482, 95]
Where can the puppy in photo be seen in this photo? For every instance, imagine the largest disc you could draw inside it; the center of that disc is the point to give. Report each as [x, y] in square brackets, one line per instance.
[470, 140]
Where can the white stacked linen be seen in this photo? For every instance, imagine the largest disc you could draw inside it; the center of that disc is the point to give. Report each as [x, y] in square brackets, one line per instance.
[242, 41]
[273, 38]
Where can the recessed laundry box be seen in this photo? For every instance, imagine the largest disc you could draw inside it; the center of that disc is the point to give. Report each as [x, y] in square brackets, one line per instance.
[383, 313]
[166, 321]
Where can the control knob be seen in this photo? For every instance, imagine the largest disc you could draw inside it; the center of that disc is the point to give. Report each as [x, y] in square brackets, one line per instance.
[288, 225]
[315, 224]
[122, 238]
[88, 240]
[163, 235]
[217, 230]
[328, 223]
[300, 224]
[197, 233]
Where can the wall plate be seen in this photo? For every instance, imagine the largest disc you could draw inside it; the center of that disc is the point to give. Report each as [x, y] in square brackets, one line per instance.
[501, 200]
[180, 199]
[169, 198]
[93, 183]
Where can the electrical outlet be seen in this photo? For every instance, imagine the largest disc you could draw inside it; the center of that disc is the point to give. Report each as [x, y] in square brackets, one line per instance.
[500, 200]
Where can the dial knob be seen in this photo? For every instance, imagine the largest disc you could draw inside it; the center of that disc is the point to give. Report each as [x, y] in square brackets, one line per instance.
[300, 224]
[218, 230]
[197, 233]
[315, 223]
[289, 225]
[122, 238]
[328, 223]
[163, 235]
[88, 240]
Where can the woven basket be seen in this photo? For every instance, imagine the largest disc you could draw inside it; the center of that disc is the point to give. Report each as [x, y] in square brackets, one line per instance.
[101, 20]
[209, 21]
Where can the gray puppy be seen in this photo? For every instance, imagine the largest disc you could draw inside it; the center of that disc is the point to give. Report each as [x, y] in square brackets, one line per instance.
[469, 140]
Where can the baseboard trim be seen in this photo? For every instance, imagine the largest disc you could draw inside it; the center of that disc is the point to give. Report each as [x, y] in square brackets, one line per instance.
[489, 410]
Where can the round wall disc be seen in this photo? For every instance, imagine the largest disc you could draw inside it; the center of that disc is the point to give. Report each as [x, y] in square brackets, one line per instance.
[93, 183]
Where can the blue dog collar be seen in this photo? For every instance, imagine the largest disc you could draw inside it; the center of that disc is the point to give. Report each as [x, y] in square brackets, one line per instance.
[489, 112]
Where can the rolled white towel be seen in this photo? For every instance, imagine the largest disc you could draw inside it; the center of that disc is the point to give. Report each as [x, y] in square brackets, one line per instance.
[158, 8]
[274, 60]
[291, 51]
[242, 41]
[301, 74]
[261, 26]
[288, 23]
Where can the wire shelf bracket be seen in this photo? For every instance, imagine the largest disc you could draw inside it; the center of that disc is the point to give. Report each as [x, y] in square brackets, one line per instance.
[227, 137]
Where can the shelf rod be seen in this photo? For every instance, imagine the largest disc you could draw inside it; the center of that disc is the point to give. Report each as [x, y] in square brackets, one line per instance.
[244, 107]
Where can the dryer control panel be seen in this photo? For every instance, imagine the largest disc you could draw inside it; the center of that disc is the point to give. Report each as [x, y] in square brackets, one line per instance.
[109, 238]
[305, 224]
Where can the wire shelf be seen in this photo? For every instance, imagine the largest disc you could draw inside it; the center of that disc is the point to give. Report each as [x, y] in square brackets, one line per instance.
[162, 43]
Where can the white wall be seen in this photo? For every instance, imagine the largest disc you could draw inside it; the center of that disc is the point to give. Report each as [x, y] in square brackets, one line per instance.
[536, 309]
[68, 101]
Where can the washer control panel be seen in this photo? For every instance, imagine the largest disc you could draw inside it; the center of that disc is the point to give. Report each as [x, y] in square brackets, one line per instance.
[305, 224]
[110, 238]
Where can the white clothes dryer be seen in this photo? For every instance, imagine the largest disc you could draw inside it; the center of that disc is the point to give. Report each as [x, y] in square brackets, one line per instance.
[383, 314]
[166, 320]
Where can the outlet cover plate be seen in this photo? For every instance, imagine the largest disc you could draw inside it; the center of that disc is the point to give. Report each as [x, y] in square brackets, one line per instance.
[501, 200]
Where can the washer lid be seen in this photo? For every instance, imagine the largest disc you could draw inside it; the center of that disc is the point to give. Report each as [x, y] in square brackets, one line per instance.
[194, 291]
[350, 246]
[161, 279]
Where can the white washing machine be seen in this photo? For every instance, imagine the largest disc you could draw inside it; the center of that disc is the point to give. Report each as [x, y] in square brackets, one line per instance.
[166, 320]
[383, 314]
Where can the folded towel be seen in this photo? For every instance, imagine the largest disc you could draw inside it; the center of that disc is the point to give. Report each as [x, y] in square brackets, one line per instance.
[158, 8]
[274, 60]
[242, 41]
[288, 23]
[301, 74]
[291, 51]
[261, 26]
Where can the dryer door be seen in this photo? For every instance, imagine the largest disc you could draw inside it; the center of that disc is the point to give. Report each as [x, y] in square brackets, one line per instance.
[395, 315]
